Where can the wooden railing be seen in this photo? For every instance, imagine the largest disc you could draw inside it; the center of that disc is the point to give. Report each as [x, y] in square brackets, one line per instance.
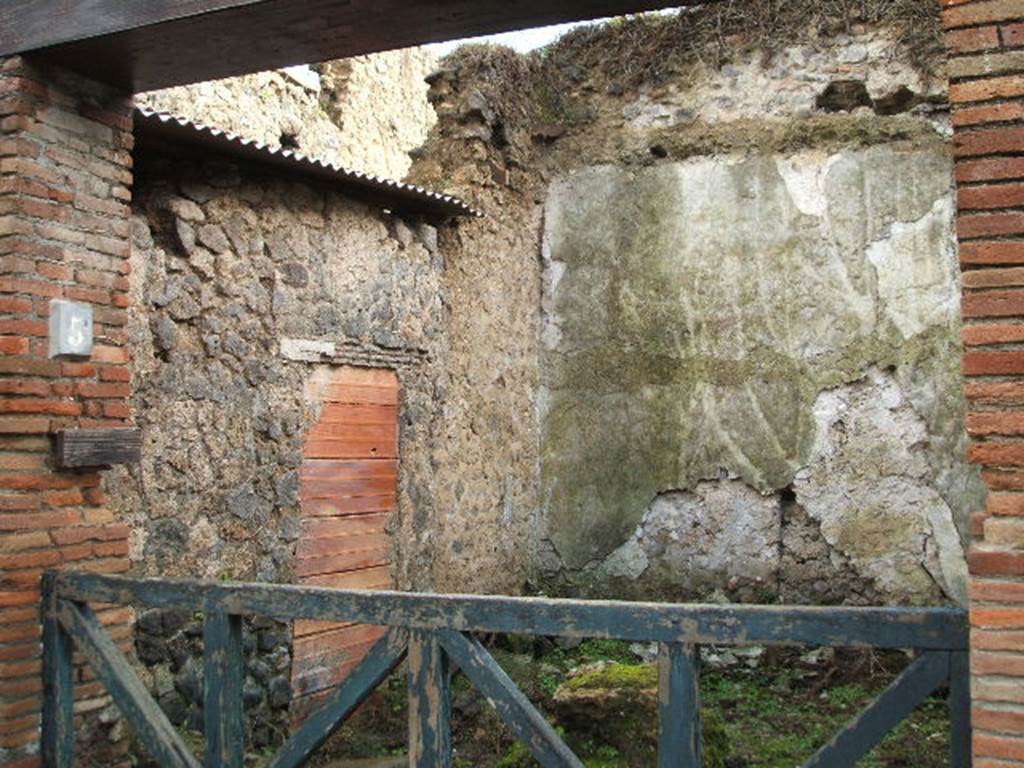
[436, 631]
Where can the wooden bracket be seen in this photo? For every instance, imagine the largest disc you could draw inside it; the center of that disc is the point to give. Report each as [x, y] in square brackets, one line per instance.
[77, 448]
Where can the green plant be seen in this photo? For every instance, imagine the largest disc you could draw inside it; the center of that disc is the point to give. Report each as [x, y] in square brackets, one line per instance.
[647, 48]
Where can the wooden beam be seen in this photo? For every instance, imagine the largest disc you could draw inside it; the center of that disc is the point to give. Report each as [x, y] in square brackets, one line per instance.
[76, 448]
[129, 694]
[58, 718]
[29, 24]
[922, 628]
[223, 675]
[887, 711]
[430, 736]
[142, 46]
[681, 738]
[960, 709]
[380, 662]
[512, 706]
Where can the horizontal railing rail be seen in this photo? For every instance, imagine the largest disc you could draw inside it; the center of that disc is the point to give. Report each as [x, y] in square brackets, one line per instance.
[918, 628]
[434, 632]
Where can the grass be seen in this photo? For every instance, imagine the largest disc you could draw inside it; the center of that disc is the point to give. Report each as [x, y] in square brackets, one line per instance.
[778, 715]
[650, 48]
[559, 86]
[772, 723]
[774, 716]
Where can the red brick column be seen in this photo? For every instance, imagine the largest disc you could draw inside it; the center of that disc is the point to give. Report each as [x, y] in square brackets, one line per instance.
[65, 186]
[986, 42]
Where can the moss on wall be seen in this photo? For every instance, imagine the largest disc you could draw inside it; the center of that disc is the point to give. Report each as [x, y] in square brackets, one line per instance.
[729, 254]
[695, 314]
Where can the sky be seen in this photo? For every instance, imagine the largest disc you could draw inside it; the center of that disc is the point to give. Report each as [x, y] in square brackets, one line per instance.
[524, 40]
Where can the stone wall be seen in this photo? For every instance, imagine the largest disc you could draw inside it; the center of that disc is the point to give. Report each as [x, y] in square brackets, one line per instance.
[379, 104]
[169, 649]
[367, 113]
[235, 270]
[486, 447]
[749, 359]
[246, 286]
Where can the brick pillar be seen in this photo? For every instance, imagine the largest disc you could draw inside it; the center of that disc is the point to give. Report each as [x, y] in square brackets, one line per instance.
[985, 39]
[65, 186]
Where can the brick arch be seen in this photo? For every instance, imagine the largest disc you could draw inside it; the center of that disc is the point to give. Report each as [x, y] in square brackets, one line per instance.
[985, 39]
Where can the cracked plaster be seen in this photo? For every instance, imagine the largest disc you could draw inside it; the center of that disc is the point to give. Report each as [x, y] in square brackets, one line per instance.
[700, 320]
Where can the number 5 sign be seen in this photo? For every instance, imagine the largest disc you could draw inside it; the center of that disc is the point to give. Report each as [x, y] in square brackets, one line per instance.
[70, 329]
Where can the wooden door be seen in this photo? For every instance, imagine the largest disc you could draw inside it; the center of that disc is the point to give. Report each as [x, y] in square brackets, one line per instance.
[348, 489]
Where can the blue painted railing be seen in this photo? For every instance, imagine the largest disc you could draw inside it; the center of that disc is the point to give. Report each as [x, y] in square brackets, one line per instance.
[435, 631]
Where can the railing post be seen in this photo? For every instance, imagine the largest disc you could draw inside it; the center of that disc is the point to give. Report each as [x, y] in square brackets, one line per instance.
[223, 676]
[430, 742]
[960, 709]
[58, 720]
[680, 739]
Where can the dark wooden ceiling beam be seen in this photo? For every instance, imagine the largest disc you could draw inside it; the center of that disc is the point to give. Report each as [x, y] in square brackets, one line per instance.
[158, 43]
[26, 25]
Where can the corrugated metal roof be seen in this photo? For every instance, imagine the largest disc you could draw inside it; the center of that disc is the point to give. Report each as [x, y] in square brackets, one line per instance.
[386, 193]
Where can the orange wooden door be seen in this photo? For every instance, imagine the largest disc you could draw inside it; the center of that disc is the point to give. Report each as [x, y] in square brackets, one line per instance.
[348, 489]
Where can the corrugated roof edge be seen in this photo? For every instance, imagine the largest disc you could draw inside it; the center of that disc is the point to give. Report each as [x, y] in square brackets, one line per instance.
[387, 193]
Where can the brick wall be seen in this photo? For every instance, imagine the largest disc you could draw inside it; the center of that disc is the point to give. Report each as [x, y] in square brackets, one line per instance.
[986, 42]
[65, 187]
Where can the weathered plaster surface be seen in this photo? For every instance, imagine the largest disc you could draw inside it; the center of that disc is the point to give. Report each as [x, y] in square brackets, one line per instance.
[868, 483]
[716, 522]
[702, 323]
[725, 245]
